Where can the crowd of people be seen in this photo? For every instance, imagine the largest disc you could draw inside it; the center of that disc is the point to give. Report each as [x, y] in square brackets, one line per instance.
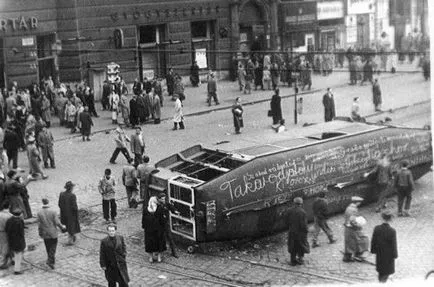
[356, 241]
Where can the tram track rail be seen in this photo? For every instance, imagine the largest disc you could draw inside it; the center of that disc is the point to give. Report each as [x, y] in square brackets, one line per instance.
[348, 280]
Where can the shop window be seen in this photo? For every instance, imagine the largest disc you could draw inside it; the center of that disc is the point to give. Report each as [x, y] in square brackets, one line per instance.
[148, 34]
[44, 45]
[199, 29]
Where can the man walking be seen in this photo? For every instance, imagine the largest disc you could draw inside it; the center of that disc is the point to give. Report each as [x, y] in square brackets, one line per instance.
[212, 89]
[376, 95]
[4, 245]
[320, 219]
[385, 247]
[69, 212]
[404, 184]
[112, 258]
[106, 187]
[86, 124]
[129, 179]
[46, 143]
[137, 145]
[121, 145]
[144, 171]
[237, 112]
[297, 235]
[329, 106]
[17, 242]
[48, 223]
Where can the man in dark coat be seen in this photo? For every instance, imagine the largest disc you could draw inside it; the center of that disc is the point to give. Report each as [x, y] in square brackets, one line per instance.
[329, 106]
[297, 235]
[320, 215]
[170, 81]
[368, 72]
[112, 258]
[276, 108]
[194, 76]
[404, 184]
[11, 144]
[376, 95]
[134, 111]
[237, 112]
[86, 123]
[384, 245]
[105, 96]
[69, 212]
[17, 242]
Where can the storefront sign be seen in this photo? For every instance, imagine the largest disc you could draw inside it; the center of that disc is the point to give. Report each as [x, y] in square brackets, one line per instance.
[20, 23]
[330, 10]
[200, 56]
[29, 41]
[148, 74]
[299, 12]
[149, 14]
[361, 6]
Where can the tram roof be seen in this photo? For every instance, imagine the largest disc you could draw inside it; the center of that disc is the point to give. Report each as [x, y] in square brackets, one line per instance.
[206, 164]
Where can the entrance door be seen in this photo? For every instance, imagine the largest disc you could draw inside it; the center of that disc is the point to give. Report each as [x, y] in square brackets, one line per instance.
[181, 195]
[363, 30]
[46, 68]
[96, 80]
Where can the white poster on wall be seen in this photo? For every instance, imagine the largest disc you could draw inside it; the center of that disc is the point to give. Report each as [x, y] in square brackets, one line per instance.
[201, 58]
[360, 7]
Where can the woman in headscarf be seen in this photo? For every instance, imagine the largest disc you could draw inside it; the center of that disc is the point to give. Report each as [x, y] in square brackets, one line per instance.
[153, 223]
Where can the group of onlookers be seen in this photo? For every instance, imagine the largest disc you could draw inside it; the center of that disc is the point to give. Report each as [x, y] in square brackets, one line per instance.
[356, 242]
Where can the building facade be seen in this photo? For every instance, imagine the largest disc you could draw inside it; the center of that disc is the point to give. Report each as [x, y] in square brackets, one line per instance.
[73, 40]
[331, 24]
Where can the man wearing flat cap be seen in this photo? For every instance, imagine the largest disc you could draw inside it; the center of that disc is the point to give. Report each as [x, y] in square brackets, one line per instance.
[297, 234]
[384, 246]
[69, 212]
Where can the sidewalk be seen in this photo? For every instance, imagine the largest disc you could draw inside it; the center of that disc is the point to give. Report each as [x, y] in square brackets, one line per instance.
[195, 103]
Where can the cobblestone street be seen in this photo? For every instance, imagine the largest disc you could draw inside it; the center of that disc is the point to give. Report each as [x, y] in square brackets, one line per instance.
[260, 262]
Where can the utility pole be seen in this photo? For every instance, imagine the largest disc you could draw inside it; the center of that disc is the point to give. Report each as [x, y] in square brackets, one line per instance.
[295, 101]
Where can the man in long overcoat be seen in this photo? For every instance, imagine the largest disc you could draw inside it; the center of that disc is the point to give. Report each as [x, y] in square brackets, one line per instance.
[275, 106]
[112, 258]
[329, 106]
[237, 112]
[69, 212]
[46, 143]
[86, 124]
[134, 112]
[17, 242]
[4, 245]
[384, 245]
[376, 95]
[297, 234]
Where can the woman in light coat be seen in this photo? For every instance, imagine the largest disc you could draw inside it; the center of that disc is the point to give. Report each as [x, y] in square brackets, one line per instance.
[178, 117]
[114, 104]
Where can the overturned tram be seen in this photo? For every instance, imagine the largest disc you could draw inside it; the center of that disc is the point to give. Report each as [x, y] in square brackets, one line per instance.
[224, 195]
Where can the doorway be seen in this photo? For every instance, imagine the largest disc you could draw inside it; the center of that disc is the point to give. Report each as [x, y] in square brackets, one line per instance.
[152, 51]
[363, 30]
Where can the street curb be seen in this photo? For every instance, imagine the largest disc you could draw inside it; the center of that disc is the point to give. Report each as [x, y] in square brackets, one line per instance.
[216, 109]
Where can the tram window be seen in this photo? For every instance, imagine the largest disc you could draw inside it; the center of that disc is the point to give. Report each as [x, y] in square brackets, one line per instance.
[182, 226]
[181, 193]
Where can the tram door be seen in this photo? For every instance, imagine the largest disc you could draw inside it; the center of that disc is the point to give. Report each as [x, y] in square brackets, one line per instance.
[181, 195]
